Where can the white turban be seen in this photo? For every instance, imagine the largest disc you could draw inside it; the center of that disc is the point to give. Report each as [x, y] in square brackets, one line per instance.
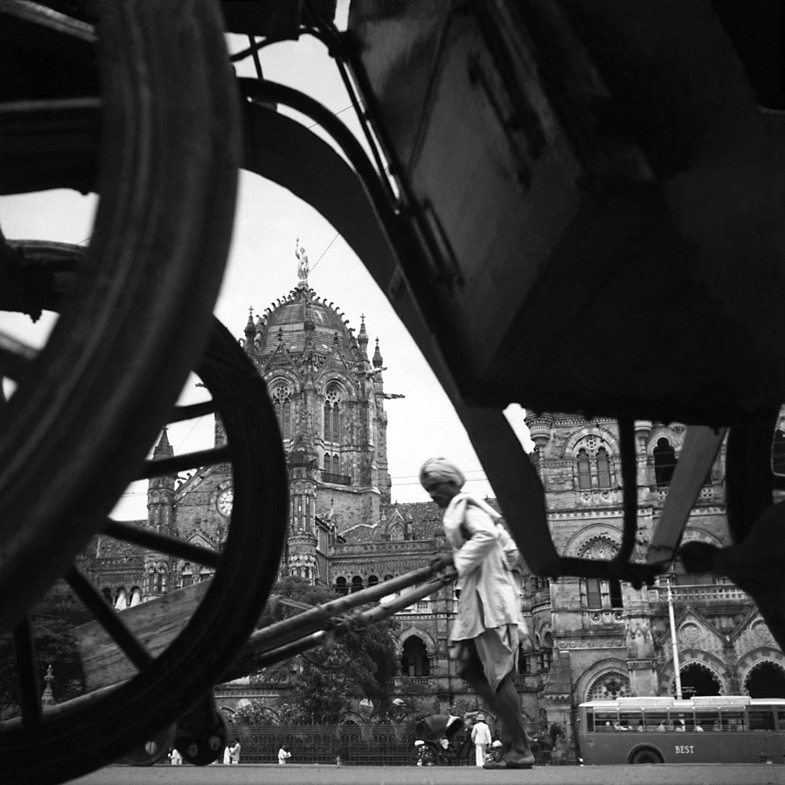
[441, 470]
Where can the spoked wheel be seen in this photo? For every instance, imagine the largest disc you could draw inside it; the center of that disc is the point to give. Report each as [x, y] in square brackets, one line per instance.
[90, 731]
[159, 142]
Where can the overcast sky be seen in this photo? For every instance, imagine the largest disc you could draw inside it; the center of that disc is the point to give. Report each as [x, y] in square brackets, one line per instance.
[262, 267]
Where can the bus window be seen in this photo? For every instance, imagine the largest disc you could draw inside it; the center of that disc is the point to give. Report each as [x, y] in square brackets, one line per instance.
[733, 720]
[708, 720]
[781, 718]
[628, 720]
[605, 720]
[657, 721]
[761, 719]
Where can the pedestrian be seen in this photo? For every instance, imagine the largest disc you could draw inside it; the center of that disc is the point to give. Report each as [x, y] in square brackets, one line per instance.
[234, 752]
[175, 758]
[284, 754]
[481, 738]
[489, 625]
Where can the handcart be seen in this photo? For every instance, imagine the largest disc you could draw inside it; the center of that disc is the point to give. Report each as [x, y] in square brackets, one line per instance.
[577, 207]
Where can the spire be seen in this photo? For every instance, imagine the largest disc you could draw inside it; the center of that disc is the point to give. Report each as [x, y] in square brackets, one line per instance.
[377, 356]
[250, 328]
[362, 336]
[48, 698]
[302, 267]
[163, 449]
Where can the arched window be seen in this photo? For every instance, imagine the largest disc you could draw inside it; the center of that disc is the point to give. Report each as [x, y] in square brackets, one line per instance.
[523, 660]
[373, 580]
[332, 414]
[159, 585]
[664, 462]
[107, 592]
[600, 593]
[609, 686]
[282, 401]
[357, 583]
[545, 655]
[341, 587]
[415, 660]
[603, 469]
[336, 465]
[187, 574]
[593, 467]
[584, 471]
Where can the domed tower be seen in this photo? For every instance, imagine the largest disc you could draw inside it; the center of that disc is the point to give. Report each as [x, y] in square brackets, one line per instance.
[329, 398]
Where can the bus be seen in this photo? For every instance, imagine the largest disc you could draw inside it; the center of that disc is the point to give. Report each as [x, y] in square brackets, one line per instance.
[716, 729]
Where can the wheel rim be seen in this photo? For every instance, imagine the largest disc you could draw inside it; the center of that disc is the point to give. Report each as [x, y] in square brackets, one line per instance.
[88, 406]
[52, 750]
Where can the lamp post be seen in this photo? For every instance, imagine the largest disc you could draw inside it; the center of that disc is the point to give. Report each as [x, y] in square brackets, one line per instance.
[674, 643]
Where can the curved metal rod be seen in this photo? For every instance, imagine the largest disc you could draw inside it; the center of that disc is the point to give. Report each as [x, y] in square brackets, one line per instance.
[355, 203]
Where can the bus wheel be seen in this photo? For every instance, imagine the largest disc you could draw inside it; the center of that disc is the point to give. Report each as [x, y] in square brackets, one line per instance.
[646, 755]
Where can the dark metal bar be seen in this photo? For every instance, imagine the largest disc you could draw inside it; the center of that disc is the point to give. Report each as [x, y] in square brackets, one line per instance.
[629, 481]
[27, 673]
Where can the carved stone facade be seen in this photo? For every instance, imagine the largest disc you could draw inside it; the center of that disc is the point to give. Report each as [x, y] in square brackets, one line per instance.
[611, 638]
[590, 638]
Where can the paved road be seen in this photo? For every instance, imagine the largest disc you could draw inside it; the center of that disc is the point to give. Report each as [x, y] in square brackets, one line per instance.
[750, 774]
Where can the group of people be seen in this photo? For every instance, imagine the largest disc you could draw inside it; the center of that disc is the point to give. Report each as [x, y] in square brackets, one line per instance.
[232, 753]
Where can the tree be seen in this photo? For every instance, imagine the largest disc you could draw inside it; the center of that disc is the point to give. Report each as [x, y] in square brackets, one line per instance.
[53, 620]
[358, 664]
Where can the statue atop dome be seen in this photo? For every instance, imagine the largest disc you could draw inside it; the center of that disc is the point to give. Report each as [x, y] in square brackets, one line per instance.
[302, 267]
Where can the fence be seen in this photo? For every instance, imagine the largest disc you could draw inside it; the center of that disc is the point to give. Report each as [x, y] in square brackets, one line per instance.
[358, 745]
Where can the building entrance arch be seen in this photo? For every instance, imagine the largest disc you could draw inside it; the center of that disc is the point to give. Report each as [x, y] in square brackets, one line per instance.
[698, 679]
[765, 679]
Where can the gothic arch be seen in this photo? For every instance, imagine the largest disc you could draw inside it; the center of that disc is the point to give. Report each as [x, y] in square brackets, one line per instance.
[694, 534]
[418, 632]
[759, 655]
[332, 375]
[676, 439]
[597, 431]
[603, 672]
[338, 382]
[283, 390]
[583, 540]
[703, 659]
[776, 664]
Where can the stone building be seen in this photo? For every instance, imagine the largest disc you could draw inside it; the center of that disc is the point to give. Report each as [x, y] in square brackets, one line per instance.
[590, 638]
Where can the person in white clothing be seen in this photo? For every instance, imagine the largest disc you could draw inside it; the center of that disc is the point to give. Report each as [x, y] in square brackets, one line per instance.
[489, 623]
[481, 738]
[284, 754]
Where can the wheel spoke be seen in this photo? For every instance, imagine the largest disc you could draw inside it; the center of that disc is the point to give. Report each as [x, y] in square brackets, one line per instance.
[47, 17]
[109, 619]
[15, 357]
[182, 462]
[27, 673]
[147, 538]
[67, 137]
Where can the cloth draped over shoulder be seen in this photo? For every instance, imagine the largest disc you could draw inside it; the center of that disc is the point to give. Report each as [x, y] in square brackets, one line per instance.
[489, 608]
